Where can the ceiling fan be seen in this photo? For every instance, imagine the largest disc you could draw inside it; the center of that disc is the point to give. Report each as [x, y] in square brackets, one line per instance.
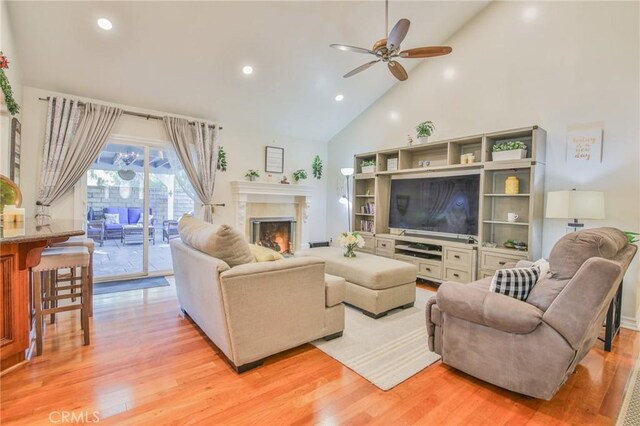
[388, 48]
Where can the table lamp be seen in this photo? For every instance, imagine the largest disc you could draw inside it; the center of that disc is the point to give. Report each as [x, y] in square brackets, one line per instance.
[575, 205]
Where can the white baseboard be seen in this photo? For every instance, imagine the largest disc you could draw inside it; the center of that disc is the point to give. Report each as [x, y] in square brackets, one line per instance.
[630, 322]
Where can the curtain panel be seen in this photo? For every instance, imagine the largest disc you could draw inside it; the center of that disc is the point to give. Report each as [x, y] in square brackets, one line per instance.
[196, 146]
[74, 136]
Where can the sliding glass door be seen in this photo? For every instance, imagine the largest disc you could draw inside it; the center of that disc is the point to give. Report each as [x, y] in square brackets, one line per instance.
[134, 201]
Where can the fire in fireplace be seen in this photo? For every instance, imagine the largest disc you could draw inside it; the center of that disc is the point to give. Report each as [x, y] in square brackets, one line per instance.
[276, 233]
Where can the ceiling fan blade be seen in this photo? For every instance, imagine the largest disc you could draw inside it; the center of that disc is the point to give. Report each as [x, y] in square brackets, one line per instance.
[398, 70]
[426, 52]
[347, 48]
[397, 34]
[360, 68]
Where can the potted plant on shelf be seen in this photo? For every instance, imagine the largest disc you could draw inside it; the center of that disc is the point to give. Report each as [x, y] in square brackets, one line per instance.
[368, 166]
[424, 130]
[512, 150]
[299, 175]
[252, 174]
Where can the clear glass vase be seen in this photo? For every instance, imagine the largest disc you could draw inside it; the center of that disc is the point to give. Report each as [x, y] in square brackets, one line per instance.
[349, 252]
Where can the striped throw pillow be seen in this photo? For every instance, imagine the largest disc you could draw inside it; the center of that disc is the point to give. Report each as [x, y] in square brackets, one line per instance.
[516, 282]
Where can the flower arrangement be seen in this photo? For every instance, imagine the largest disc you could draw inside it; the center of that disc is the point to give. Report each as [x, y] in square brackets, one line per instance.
[508, 146]
[366, 163]
[252, 174]
[350, 240]
[12, 105]
[425, 129]
[299, 175]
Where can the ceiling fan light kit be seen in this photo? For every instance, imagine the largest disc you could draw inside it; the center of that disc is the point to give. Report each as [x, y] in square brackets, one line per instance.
[388, 49]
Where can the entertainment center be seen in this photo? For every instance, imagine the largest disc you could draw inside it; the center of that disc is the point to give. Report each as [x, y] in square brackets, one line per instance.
[429, 205]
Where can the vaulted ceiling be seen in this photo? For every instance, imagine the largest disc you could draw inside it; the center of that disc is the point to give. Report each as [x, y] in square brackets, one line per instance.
[186, 57]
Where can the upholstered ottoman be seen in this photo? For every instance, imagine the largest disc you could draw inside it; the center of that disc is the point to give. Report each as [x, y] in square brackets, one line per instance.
[374, 284]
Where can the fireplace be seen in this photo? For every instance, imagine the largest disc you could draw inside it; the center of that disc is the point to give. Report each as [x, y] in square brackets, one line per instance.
[276, 233]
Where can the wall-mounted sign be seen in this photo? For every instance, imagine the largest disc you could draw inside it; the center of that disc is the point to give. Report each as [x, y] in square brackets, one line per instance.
[584, 144]
[274, 160]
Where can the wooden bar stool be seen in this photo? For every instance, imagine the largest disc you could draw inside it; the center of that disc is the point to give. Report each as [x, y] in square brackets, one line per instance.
[90, 245]
[46, 297]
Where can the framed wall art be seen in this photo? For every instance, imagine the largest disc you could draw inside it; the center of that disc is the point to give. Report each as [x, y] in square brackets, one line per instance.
[274, 159]
[16, 144]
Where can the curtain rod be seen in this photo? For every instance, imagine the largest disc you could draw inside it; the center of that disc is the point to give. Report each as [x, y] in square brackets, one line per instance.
[133, 113]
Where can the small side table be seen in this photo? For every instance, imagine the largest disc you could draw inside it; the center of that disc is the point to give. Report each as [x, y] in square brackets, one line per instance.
[133, 234]
[612, 324]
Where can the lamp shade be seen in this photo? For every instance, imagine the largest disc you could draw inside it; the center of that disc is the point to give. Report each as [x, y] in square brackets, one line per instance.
[346, 171]
[575, 205]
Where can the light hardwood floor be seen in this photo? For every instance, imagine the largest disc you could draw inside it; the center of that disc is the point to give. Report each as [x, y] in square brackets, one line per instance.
[147, 365]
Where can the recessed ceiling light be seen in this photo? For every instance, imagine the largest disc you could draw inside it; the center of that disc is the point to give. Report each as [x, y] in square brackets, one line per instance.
[339, 98]
[529, 14]
[449, 73]
[247, 69]
[394, 116]
[105, 24]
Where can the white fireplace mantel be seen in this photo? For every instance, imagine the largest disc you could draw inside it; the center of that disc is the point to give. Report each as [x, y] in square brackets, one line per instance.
[264, 192]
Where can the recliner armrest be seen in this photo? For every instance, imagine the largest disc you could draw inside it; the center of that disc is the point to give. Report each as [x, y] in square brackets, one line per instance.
[487, 308]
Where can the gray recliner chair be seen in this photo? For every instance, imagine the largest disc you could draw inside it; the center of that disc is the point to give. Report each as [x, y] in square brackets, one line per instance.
[532, 346]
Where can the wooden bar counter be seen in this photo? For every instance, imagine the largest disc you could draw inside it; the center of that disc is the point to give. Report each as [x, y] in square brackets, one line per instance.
[21, 245]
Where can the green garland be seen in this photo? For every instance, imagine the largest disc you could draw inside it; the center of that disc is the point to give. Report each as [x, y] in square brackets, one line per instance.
[12, 105]
[317, 167]
[222, 159]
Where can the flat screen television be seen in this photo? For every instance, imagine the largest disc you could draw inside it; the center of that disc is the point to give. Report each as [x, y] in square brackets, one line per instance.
[436, 205]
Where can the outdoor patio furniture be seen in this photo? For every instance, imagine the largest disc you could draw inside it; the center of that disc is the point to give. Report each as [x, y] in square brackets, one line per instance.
[134, 234]
[95, 231]
[169, 230]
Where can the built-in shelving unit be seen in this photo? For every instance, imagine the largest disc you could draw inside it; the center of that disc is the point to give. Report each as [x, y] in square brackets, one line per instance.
[372, 190]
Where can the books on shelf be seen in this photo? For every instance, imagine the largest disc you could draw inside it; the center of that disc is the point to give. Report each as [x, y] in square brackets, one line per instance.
[368, 208]
[366, 225]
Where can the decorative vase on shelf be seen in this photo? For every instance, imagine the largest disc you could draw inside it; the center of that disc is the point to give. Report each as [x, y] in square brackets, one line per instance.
[423, 139]
[512, 185]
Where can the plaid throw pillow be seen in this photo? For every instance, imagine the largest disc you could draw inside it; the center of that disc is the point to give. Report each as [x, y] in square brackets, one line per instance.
[516, 282]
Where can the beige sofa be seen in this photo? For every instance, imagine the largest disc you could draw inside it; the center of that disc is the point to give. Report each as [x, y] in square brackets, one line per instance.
[255, 310]
[532, 346]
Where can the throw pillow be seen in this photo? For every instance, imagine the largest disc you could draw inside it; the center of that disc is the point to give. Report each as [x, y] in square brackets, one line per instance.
[543, 265]
[111, 219]
[516, 282]
[263, 254]
[222, 242]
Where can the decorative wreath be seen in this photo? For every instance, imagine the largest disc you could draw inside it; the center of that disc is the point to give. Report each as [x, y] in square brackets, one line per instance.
[12, 105]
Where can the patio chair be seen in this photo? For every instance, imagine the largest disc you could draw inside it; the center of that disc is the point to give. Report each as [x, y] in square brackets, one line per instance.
[95, 231]
[169, 230]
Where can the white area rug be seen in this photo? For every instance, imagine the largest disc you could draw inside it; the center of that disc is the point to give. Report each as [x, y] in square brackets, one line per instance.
[630, 411]
[386, 351]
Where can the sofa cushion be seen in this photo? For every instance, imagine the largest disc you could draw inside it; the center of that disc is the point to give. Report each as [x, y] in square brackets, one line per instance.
[222, 241]
[264, 254]
[134, 214]
[123, 214]
[572, 250]
[335, 288]
[515, 282]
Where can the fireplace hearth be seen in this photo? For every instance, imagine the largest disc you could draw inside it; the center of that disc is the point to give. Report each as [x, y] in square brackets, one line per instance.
[276, 233]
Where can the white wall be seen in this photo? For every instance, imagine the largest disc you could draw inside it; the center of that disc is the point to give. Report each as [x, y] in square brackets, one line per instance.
[14, 74]
[570, 63]
[245, 150]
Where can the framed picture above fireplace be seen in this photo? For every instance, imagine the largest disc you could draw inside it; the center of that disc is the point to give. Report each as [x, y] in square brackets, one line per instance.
[274, 159]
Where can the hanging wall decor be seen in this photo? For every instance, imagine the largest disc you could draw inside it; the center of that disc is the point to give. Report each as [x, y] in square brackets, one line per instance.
[584, 144]
[16, 144]
[317, 167]
[274, 159]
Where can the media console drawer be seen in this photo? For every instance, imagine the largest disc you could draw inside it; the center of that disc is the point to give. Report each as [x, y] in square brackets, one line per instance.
[491, 260]
[457, 257]
[430, 270]
[457, 275]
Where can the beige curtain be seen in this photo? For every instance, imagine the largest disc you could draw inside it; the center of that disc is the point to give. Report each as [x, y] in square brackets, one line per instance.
[196, 147]
[74, 137]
